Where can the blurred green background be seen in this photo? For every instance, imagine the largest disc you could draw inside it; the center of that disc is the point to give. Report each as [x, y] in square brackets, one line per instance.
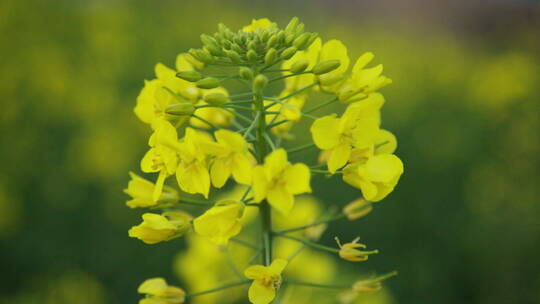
[461, 227]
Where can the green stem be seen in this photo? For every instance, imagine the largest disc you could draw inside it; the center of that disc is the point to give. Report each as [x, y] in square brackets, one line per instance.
[320, 285]
[307, 242]
[261, 152]
[301, 148]
[324, 171]
[190, 201]
[244, 243]
[225, 286]
[288, 75]
[309, 86]
[316, 223]
[315, 108]
[275, 124]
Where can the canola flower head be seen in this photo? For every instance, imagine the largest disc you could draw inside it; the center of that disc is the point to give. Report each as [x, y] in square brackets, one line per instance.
[266, 280]
[212, 137]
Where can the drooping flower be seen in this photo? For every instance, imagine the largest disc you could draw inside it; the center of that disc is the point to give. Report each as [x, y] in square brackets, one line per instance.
[278, 181]
[142, 191]
[192, 171]
[350, 251]
[376, 177]
[159, 292]
[357, 128]
[157, 228]
[162, 156]
[357, 209]
[232, 157]
[221, 222]
[266, 280]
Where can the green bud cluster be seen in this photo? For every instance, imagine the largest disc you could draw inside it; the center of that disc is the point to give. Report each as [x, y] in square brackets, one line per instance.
[262, 46]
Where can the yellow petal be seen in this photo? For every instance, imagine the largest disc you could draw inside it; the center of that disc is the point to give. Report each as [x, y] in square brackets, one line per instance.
[277, 266]
[297, 179]
[147, 162]
[339, 157]
[280, 199]
[220, 172]
[159, 186]
[383, 168]
[261, 294]
[325, 132]
[362, 61]
[256, 271]
[152, 286]
[230, 139]
[262, 23]
[260, 184]
[275, 163]
[242, 168]
[385, 142]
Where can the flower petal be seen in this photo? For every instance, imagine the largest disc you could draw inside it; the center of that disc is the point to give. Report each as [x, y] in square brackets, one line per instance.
[325, 132]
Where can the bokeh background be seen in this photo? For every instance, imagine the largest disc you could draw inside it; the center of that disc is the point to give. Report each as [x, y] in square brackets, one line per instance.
[461, 227]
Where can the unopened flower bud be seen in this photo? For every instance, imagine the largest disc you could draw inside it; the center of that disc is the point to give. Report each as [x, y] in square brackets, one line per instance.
[234, 56]
[301, 41]
[357, 209]
[208, 83]
[245, 73]
[292, 25]
[202, 55]
[299, 66]
[259, 82]
[326, 66]
[251, 56]
[180, 109]
[280, 37]
[288, 52]
[190, 76]
[235, 47]
[270, 56]
[252, 45]
[289, 38]
[272, 41]
[216, 99]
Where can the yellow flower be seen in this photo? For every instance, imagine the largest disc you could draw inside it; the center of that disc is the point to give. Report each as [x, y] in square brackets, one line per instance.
[376, 177]
[278, 181]
[158, 292]
[266, 280]
[362, 81]
[142, 190]
[221, 222]
[192, 172]
[357, 128]
[157, 228]
[232, 157]
[162, 157]
[217, 116]
[167, 89]
[262, 23]
[349, 251]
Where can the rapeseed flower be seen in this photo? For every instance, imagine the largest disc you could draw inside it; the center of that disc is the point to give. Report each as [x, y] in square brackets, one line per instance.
[266, 280]
[221, 222]
[159, 292]
[157, 228]
[278, 181]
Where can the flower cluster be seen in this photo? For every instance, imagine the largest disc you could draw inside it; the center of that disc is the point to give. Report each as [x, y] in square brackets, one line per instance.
[209, 133]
